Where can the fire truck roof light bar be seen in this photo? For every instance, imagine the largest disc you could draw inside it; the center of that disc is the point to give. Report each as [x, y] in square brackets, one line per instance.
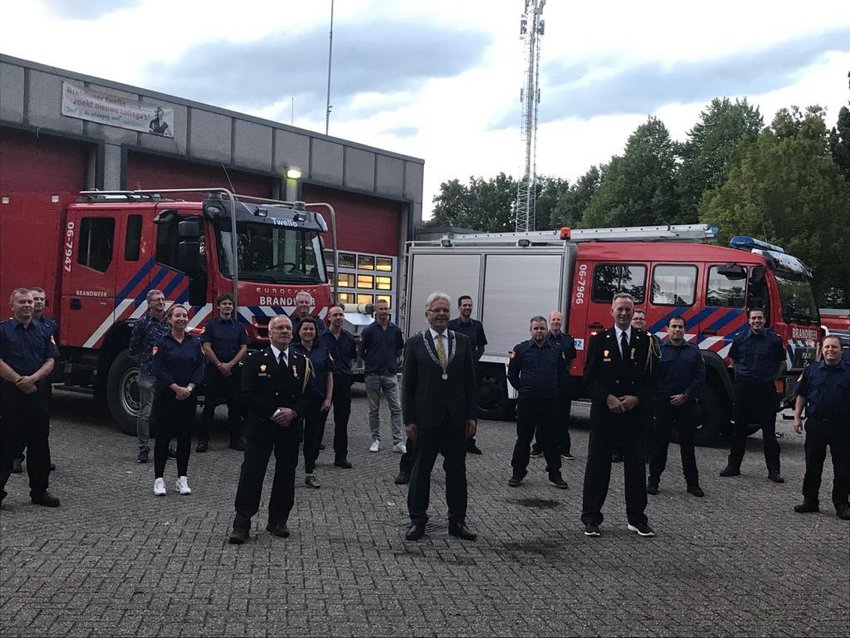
[673, 232]
[743, 242]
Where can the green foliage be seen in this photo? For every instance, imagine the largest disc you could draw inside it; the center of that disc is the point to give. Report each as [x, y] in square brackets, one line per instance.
[839, 142]
[718, 136]
[639, 187]
[483, 204]
[786, 189]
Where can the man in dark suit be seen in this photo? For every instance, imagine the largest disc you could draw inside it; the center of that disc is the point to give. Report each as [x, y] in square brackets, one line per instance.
[439, 409]
[618, 372]
[275, 389]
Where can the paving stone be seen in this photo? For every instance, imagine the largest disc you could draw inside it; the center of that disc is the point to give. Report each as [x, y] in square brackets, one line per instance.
[116, 560]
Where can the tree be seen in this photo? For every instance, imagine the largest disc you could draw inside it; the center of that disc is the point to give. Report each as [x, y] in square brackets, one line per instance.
[711, 144]
[786, 188]
[569, 207]
[484, 204]
[639, 187]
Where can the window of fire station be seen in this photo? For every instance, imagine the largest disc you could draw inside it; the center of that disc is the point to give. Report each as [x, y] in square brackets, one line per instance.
[726, 290]
[610, 279]
[674, 285]
[97, 236]
[363, 277]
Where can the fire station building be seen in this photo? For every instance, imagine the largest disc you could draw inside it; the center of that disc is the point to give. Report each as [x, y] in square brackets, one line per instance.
[61, 131]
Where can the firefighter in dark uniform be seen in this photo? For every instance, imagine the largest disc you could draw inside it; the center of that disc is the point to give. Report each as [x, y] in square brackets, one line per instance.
[533, 371]
[276, 387]
[474, 330]
[39, 300]
[225, 343]
[759, 357]
[27, 354]
[618, 371]
[681, 375]
[824, 390]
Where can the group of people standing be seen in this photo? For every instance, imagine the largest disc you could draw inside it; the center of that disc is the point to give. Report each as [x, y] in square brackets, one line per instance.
[279, 400]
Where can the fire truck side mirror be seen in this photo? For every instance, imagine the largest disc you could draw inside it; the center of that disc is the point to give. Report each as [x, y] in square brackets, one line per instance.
[189, 256]
[732, 271]
[189, 229]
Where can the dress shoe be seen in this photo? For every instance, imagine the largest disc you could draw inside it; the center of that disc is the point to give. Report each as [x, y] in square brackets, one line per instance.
[775, 477]
[238, 536]
[730, 470]
[144, 456]
[236, 444]
[843, 511]
[473, 449]
[567, 455]
[403, 478]
[203, 446]
[415, 532]
[321, 446]
[52, 467]
[278, 529]
[536, 451]
[17, 466]
[344, 463]
[652, 487]
[558, 481]
[696, 490]
[312, 481]
[461, 531]
[807, 507]
[515, 481]
[44, 498]
[616, 457]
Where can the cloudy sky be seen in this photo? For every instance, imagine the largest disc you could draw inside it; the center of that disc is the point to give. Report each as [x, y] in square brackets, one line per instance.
[440, 79]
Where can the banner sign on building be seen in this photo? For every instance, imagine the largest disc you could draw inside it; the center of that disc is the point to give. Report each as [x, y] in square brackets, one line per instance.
[112, 110]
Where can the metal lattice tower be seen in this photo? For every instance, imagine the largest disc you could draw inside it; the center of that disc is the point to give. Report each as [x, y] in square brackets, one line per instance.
[531, 32]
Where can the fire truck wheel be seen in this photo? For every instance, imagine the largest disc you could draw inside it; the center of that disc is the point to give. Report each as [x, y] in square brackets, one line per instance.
[713, 417]
[122, 392]
[493, 401]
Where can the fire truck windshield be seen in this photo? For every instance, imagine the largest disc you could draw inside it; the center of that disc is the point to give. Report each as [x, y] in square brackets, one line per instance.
[798, 300]
[271, 253]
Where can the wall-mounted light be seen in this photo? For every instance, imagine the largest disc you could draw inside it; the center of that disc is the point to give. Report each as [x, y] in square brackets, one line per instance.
[293, 172]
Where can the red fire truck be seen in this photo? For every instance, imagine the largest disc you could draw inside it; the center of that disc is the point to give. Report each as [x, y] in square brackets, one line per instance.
[97, 254]
[670, 270]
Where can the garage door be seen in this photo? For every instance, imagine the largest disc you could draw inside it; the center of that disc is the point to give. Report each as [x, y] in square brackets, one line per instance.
[39, 163]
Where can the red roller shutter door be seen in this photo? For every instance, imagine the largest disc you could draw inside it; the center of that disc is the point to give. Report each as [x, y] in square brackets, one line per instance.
[35, 163]
[152, 171]
[365, 224]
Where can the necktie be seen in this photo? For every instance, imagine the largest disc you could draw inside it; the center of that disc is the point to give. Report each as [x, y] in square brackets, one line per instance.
[624, 345]
[281, 360]
[441, 351]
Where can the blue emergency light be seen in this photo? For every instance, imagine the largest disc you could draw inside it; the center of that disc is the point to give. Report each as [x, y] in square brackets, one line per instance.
[743, 242]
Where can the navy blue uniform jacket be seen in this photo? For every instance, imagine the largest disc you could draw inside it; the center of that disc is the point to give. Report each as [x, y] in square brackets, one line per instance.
[267, 386]
[606, 372]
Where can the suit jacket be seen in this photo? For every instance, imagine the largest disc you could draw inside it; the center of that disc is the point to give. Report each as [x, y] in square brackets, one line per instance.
[266, 386]
[425, 397]
[607, 372]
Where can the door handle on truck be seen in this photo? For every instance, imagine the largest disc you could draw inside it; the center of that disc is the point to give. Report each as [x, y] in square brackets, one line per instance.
[595, 326]
[76, 304]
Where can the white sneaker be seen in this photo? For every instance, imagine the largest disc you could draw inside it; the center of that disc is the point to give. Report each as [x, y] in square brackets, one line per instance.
[183, 486]
[400, 447]
[159, 487]
[376, 445]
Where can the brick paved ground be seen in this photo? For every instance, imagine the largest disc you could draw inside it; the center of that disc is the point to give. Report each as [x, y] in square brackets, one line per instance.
[115, 560]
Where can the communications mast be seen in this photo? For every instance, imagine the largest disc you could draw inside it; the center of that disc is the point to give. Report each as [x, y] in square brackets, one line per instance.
[531, 32]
